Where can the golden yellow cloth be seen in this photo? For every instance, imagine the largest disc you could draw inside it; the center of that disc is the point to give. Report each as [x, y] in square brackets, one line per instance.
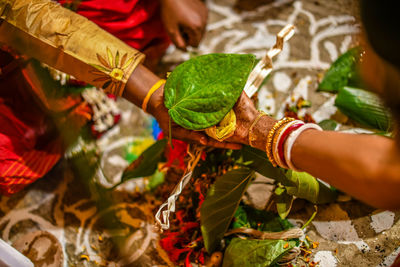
[68, 42]
[224, 129]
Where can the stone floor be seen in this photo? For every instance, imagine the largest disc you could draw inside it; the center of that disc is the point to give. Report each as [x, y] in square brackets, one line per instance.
[57, 221]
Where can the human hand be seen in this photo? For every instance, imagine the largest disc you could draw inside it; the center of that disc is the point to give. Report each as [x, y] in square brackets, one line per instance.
[160, 112]
[185, 21]
[246, 113]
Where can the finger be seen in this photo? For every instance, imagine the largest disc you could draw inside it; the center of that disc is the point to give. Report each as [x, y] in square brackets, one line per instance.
[177, 39]
[195, 36]
[201, 138]
[224, 145]
[190, 136]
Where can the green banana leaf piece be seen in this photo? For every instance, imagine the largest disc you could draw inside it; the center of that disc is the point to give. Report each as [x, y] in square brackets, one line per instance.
[283, 201]
[309, 188]
[343, 72]
[201, 91]
[255, 253]
[363, 107]
[147, 162]
[220, 205]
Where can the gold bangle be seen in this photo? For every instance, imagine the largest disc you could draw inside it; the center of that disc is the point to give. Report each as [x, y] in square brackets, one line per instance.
[251, 139]
[154, 88]
[270, 137]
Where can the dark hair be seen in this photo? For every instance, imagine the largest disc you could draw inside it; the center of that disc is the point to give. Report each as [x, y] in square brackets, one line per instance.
[381, 23]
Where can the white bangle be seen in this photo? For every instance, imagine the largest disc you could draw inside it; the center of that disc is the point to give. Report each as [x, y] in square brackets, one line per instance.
[292, 139]
[275, 149]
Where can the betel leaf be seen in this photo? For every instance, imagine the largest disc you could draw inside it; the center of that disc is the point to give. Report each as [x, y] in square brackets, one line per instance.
[363, 107]
[343, 72]
[261, 164]
[248, 252]
[147, 162]
[220, 205]
[283, 201]
[307, 187]
[202, 90]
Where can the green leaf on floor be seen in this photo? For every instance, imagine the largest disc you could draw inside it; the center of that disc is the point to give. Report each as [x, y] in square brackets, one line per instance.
[328, 125]
[220, 205]
[283, 201]
[147, 162]
[201, 91]
[261, 220]
[260, 253]
[343, 72]
[309, 188]
[364, 107]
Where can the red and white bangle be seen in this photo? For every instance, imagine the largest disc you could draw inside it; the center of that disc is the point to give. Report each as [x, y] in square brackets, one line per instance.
[291, 139]
[279, 141]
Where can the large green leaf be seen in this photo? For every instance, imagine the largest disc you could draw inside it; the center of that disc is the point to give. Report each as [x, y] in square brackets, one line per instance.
[343, 71]
[255, 253]
[147, 162]
[307, 187]
[363, 107]
[220, 205]
[261, 164]
[202, 90]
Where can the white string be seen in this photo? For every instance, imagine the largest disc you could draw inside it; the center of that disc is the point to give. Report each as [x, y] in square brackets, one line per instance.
[170, 203]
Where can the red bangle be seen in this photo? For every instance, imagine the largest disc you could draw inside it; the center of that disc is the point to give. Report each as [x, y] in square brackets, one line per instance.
[283, 138]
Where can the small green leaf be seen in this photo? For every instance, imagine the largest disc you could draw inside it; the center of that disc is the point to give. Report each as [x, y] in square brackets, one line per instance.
[309, 188]
[363, 107]
[261, 220]
[328, 125]
[155, 180]
[147, 162]
[342, 72]
[260, 253]
[220, 205]
[202, 90]
[283, 201]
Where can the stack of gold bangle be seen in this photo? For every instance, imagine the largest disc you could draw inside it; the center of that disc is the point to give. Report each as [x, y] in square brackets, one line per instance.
[279, 124]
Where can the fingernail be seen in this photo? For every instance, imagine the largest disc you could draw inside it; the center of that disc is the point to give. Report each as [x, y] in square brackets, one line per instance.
[203, 141]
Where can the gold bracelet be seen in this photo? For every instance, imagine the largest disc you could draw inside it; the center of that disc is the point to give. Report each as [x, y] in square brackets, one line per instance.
[270, 137]
[154, 88]
[251, 139]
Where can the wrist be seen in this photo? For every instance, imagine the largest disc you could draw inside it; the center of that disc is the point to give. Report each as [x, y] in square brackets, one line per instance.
[260, 132]
[156, 102]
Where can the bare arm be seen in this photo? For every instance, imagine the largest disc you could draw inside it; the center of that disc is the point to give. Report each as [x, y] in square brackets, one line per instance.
[364, 166]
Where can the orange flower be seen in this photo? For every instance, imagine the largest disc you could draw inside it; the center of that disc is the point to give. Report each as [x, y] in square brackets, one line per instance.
[112, 70]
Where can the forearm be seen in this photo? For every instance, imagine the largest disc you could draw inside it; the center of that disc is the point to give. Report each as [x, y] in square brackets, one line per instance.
[139, 84]
[364, 166]
[68, 42]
